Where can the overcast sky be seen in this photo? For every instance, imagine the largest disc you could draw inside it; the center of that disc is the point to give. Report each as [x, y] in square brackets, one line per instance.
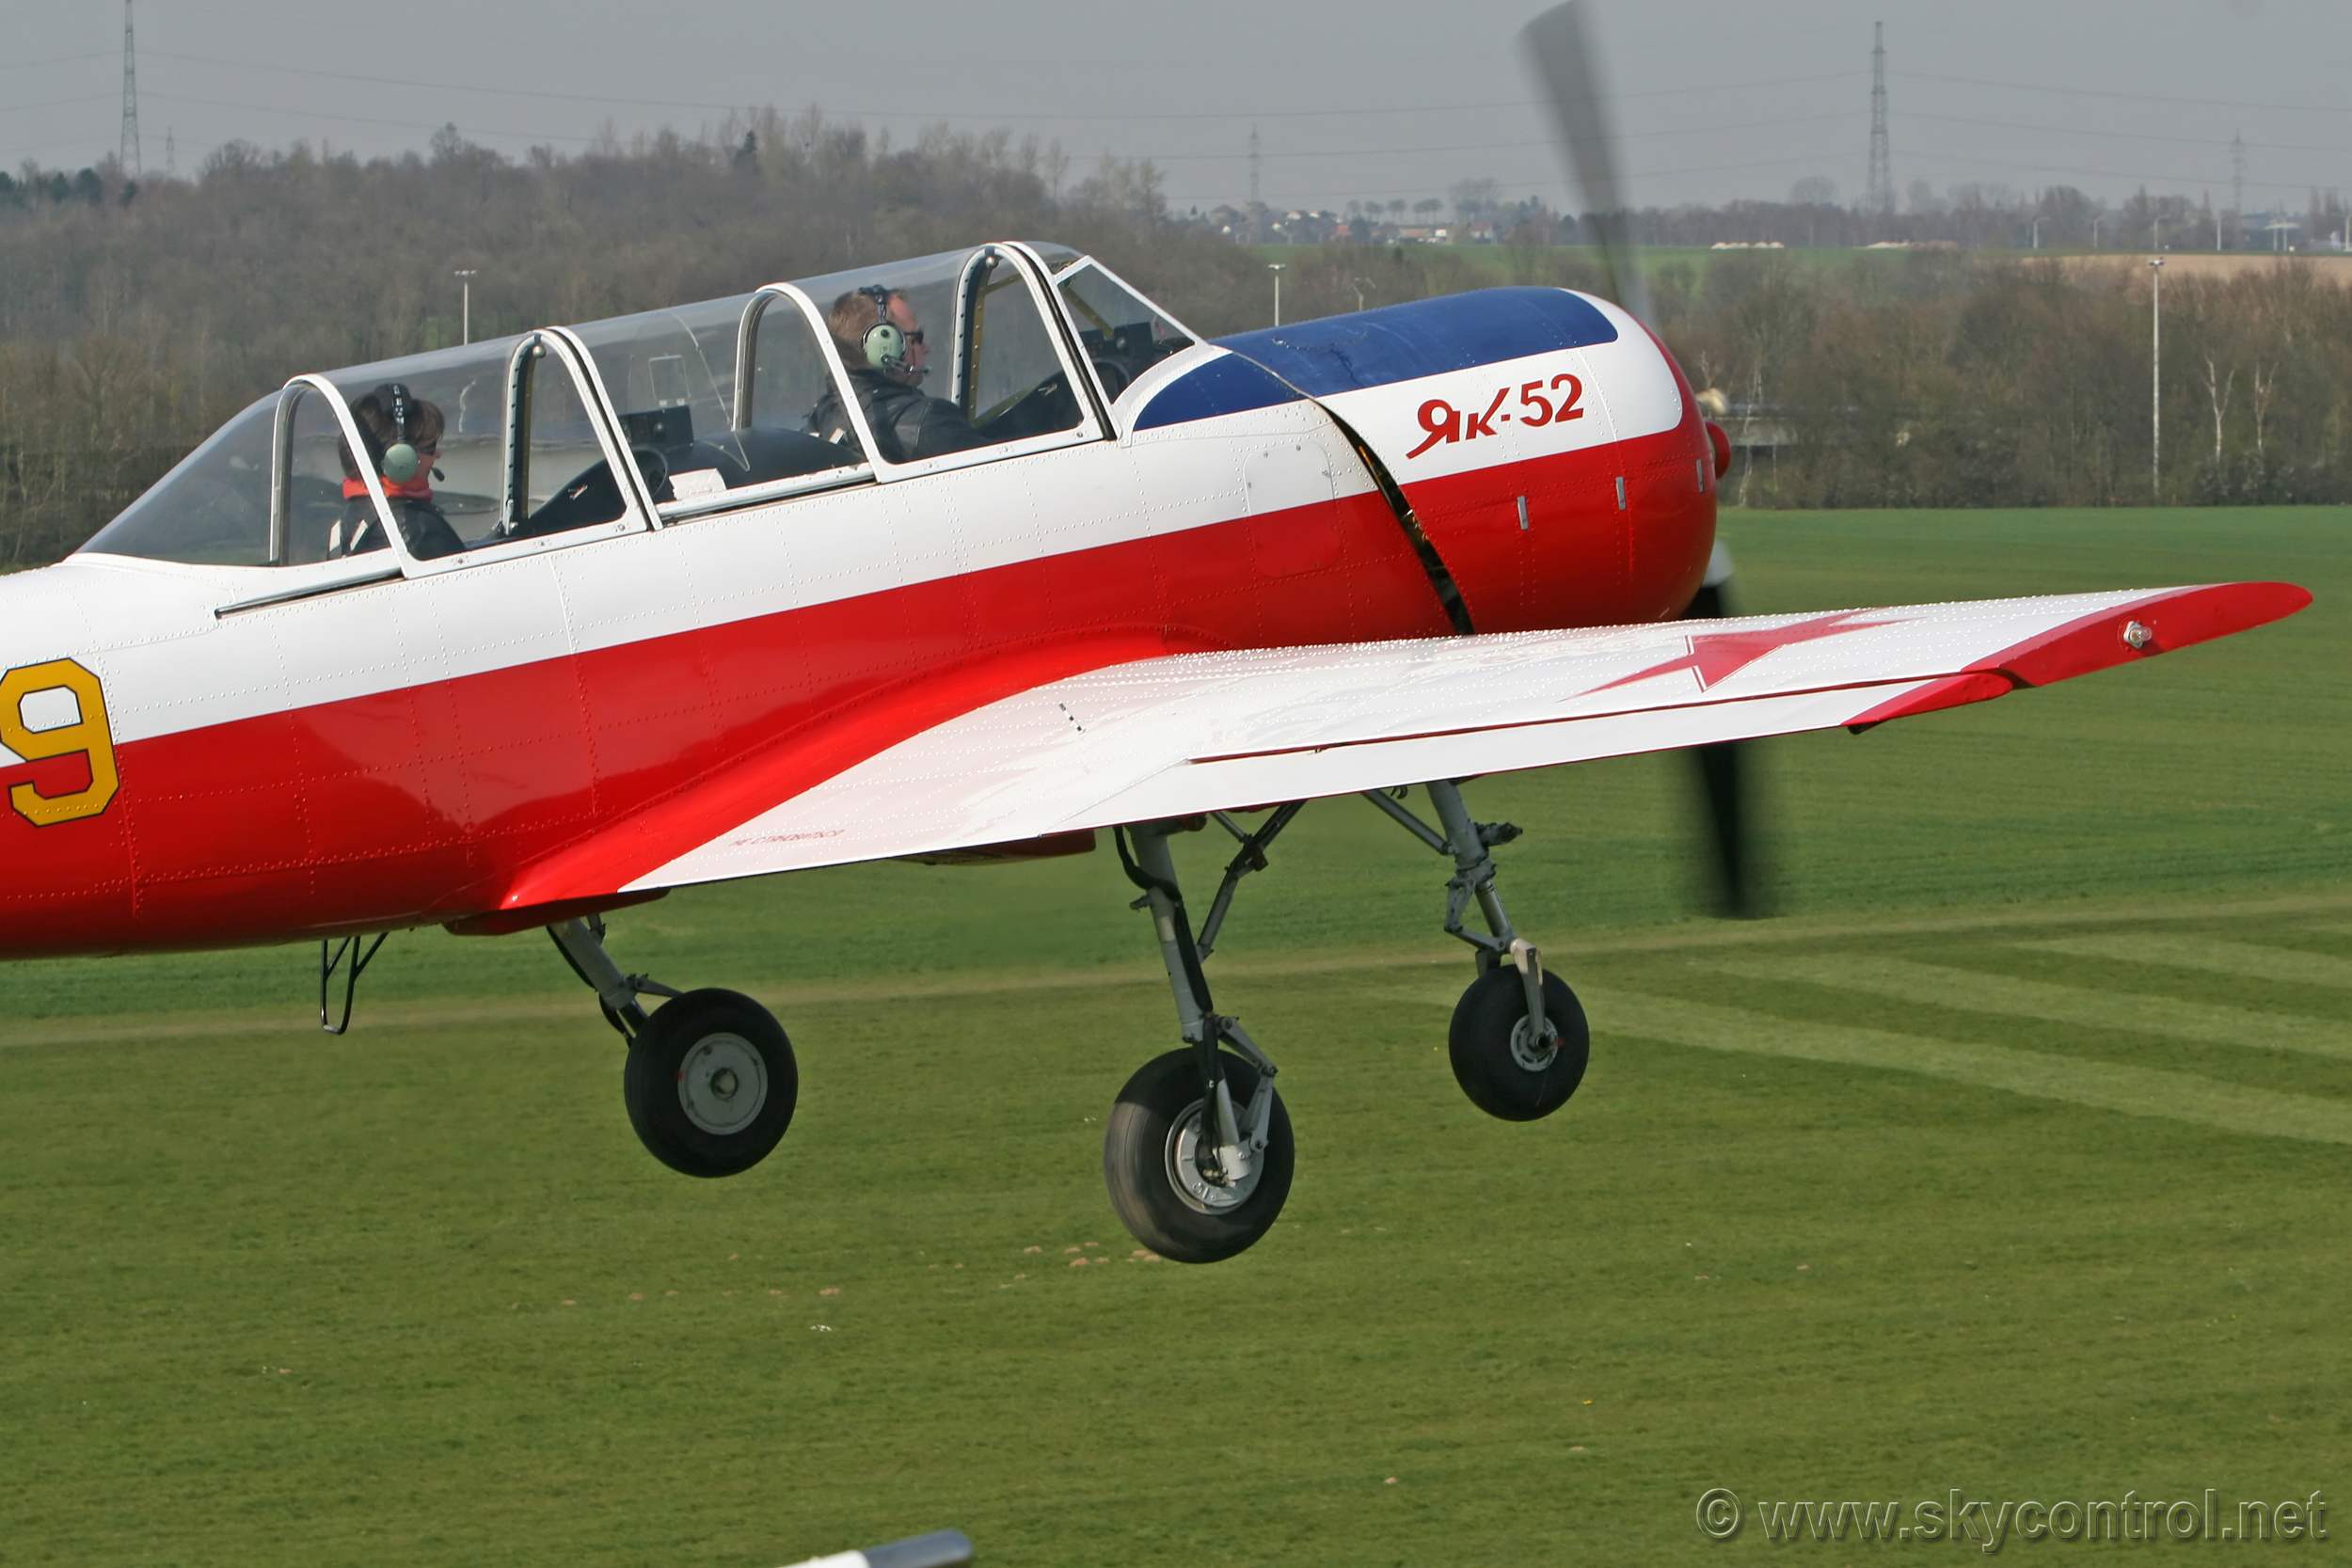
[1371, 100]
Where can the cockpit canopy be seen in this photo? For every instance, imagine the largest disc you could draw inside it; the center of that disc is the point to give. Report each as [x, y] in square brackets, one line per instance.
[567, 433]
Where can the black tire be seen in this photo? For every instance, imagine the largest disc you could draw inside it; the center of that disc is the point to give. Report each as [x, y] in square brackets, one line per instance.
[1150, 1130]
[687, 1069]
[1502, 1077]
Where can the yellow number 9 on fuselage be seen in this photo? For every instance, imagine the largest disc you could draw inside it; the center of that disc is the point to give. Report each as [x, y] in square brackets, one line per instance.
[87, 732]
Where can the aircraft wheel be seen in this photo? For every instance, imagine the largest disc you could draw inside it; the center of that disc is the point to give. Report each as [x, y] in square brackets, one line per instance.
[711, 1082]
[1507, 1069]
[1151, 1161]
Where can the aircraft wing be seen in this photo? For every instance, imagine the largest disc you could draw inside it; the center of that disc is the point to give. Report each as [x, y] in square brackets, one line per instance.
[1172, 736]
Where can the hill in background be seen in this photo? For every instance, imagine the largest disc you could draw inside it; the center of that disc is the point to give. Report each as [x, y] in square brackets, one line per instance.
[135, 318]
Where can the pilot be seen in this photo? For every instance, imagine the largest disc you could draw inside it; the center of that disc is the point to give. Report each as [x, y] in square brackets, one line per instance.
[403, 434]
[881, 341]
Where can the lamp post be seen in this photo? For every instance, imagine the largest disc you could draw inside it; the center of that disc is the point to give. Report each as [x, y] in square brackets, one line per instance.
[465, 276]
[2155, 384]
[1276, 268]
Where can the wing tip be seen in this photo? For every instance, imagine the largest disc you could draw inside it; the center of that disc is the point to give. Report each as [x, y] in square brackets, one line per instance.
[2144, 627]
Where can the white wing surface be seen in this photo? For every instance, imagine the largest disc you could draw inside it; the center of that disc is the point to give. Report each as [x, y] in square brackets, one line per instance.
[1174, 735]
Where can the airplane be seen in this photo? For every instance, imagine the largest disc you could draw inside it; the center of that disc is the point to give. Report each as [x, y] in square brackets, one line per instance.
[515, 635]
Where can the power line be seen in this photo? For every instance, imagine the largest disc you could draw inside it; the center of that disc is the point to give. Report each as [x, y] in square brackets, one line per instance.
[1977, 160]
[56, 102]
[60, 59]
[1473, 147]
[1382, 112]
[2133, 97]
[365, 120]
[2108, 135]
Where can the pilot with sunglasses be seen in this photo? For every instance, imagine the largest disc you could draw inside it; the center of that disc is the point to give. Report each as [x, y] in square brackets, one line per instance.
[881, 340]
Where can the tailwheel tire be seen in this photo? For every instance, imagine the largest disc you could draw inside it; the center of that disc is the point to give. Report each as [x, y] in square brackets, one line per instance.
[1508, 1069]
[711, 1082]
[1162, 1171]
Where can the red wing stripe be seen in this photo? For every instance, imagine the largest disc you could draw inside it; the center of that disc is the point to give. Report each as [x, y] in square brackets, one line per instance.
[2176, 620]
[693, 812]
[1951, 691]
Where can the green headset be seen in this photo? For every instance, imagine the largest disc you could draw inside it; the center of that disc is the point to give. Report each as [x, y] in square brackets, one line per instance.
[885, 342]
[401, 458]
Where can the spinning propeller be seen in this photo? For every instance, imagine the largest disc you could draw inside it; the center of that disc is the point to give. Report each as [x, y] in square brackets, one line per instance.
[1560, 49]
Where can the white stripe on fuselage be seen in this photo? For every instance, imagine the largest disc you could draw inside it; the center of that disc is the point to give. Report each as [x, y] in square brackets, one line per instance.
[149, 632]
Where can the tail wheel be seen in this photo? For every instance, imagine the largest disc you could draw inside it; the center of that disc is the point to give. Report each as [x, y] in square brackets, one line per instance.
[1508, 1068]
[711, 1082]
[1159, 1159]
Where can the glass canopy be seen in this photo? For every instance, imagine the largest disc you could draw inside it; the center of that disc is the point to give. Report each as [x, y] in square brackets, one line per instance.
[559, 435]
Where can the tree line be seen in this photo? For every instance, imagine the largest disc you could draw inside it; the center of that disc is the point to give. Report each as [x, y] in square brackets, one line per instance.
[132, 322]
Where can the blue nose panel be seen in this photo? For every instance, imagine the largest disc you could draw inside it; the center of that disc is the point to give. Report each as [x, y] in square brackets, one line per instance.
[1429, 336]
[1226, 385]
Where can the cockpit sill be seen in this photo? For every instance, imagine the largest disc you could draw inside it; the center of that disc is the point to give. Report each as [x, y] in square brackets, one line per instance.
[554, 438]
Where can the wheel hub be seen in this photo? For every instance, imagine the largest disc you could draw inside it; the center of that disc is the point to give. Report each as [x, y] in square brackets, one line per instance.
[722, 1083]
[1189, 1144]
[1535, 1050]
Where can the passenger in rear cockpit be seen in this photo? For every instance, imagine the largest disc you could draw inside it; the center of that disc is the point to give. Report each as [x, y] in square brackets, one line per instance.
[881, 340]
[403, 434]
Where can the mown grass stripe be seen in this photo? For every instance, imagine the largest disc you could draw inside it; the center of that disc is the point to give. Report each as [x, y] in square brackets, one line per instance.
[1970, 991]
[2214, 955]
[2102, 1086]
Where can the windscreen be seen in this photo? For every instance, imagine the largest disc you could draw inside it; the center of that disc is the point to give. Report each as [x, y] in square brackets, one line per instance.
[1123, 333]
[213, 509]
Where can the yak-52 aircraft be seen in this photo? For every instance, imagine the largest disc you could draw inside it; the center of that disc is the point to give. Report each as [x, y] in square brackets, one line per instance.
[515, 634]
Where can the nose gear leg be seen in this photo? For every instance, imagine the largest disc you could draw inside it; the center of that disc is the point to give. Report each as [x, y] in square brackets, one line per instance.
[1519, 1038]
[581, 942]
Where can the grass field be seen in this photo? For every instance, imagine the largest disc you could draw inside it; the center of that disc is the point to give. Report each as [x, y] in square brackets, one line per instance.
[2010, 1158]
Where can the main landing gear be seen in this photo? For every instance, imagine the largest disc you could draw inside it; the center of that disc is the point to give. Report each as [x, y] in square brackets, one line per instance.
[1197, 1152]
[710, 1081]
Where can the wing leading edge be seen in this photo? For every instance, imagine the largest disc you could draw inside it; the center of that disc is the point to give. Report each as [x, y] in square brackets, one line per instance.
[1175, 735]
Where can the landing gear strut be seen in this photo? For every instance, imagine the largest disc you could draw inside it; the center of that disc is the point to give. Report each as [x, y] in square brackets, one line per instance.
[711, 1080]
[1197, 1153]
[1519, 1042]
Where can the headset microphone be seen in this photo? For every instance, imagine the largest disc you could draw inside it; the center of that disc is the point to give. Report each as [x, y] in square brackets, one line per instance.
[885, 343]
[401, 459]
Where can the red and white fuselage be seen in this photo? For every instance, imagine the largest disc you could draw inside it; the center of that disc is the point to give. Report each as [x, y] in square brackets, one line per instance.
[507, 739]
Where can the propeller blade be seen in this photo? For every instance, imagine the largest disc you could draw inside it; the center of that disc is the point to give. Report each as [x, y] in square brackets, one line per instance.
[1740, 890]
[1560, 47]
[1559, 43]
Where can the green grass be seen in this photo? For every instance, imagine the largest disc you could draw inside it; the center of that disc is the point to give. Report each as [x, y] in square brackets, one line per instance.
[2007, 1159]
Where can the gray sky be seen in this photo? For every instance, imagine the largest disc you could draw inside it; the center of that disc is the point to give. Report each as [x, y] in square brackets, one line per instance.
[1372, 100]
